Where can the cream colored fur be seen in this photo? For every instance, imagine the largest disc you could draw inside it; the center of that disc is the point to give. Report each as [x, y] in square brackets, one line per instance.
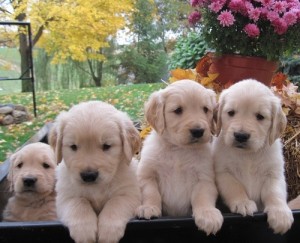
[176, 170]
[250, 174]
[34, 161]
[295, 203]
[95, 137]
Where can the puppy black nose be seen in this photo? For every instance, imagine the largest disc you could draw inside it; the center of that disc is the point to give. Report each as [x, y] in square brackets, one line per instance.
[89, 176]
[197, 132]
[29, 181]
[241, 137]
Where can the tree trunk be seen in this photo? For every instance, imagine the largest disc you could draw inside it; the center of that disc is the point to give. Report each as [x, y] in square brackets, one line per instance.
[99, 66]
[96, 72]
[24, 52]
[25, 61]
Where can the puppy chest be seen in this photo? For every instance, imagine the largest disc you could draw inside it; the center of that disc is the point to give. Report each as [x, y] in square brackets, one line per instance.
[97, 198]
[176, 185]
[252, 180]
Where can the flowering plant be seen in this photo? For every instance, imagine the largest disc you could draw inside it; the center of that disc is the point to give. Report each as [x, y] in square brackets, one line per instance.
[264, 28]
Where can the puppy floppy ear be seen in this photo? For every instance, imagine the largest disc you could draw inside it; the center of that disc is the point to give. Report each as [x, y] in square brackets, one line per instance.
[213, 101]
[10, 176]
[279, 121]
[219, 111]
[52, 136]
[215, 129]
[131, 139]
[154, 112]
[55, 136]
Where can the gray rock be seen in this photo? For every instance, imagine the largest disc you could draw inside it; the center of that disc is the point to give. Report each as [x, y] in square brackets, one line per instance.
[6, 110]
[19, 116]
[20, 108]
[7, 120]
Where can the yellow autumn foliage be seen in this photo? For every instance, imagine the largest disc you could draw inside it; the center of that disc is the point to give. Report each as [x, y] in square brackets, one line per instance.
[178, 74]
[75, 29]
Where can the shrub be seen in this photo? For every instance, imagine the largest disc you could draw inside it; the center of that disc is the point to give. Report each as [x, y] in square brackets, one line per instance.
[291, 67]
[147, 64]
[188, 50]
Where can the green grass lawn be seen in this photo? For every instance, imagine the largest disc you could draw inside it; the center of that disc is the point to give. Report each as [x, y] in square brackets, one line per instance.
[129, 98]
[11, 55]
[10, 68]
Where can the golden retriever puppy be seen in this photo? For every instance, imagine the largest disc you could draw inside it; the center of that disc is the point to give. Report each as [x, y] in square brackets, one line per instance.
[97, 190]
[295, 203]
[32, 181]
[248, 157]
[175, 172]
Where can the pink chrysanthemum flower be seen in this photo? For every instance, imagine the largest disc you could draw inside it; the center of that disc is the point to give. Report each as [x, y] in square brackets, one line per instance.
[280, 6]
[292, 3]
[280, 26]
[290, 18]
[272, 16]
[194, 17]
[237, 6]
[226, 18]
[267, 3]
[254, 14]
[252, 30]
[264, 13]
[215, 6]
[195, 3]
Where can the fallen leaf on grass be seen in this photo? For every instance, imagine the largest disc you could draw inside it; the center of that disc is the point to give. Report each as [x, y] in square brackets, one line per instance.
[145, 132]
[203, 65]
[178, 74]
[209, 80]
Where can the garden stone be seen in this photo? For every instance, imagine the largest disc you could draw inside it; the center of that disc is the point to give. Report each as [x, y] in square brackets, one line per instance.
[7, 120]
[20, 108]
[19, 116]
[6, 110]
[10, 113]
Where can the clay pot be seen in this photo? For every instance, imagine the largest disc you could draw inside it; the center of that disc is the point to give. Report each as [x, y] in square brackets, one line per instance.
[234, 68]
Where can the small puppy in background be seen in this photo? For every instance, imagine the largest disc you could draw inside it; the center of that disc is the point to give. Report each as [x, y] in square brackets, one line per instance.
[248, 157]
[97, 190]
[32, 181]
[175, 172]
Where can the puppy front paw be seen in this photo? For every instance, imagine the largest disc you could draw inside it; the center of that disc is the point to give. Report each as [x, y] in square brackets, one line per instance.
[111, 231]
[148, 211]
[243, 207]
[209, 220]
[83, 233]
[280, 219]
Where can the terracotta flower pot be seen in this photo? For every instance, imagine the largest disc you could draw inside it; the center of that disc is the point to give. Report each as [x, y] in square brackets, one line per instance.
[234, 68]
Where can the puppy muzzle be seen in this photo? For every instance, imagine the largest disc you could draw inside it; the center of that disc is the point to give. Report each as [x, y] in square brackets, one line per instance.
[197, 133]
[241, 139]
[29, 182]
[89, 176]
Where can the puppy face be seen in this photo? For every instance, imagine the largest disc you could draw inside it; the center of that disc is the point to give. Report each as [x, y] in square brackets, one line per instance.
[250, 115]
[32, 170]
[93, 138]
[182, 113]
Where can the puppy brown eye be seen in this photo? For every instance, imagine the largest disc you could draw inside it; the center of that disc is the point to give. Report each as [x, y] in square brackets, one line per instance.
[20, 165]
[259, 117]
[178, 111]
[205, 109]
[46, 166]
[231, 113]
[106, 147]
[74, 147]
